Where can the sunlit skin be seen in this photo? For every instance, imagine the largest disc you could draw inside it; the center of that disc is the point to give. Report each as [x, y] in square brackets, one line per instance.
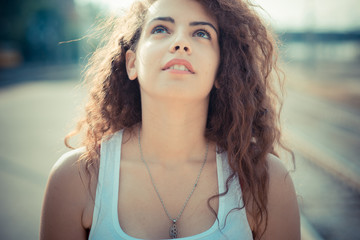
[174, 106]
[169, 34]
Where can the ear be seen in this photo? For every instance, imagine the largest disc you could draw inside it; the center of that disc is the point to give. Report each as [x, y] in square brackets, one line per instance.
[216, 84]
[130, 64]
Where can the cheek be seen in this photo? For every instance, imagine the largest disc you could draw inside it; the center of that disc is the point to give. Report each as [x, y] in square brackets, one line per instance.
[143, 54]
[213, 65]
[148, 56]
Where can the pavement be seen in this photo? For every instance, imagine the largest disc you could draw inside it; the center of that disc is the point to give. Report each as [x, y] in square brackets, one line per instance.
[34, 118]
[321, 121]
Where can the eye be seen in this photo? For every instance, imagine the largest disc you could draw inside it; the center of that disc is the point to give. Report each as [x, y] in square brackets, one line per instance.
[159, 29]
[202, 34]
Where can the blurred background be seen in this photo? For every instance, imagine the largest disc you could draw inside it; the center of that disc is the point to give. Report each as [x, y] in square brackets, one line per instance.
[40, 97]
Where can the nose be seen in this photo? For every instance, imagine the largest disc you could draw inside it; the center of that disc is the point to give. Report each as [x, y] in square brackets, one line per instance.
[181, 45]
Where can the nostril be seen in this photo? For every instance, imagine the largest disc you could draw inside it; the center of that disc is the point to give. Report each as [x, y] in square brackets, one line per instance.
[177, 48]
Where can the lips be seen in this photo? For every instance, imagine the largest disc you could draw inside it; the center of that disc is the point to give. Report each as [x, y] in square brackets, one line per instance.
[179, 64]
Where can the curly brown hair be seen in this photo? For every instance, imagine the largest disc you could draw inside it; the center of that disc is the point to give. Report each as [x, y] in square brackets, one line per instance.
[244, 107]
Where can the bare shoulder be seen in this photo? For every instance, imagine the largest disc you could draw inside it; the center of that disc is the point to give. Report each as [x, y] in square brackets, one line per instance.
[66, 170]
[67, 165]
[283, 210]
[66, 198]
[277, 171]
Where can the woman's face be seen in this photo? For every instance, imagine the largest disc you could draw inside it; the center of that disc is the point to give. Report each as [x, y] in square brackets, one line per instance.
[178, 54]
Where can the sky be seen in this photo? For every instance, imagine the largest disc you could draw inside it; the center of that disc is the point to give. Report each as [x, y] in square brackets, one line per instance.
[297, 15]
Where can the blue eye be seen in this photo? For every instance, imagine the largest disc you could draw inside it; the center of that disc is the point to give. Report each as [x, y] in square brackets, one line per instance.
[159, 29]
[203, 34]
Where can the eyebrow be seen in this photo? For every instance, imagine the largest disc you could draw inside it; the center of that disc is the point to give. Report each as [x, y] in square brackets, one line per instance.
[170, 19]
[166, 19]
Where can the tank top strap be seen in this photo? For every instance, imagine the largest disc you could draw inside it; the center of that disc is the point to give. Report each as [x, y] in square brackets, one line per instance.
[108, 179]
[232, 209]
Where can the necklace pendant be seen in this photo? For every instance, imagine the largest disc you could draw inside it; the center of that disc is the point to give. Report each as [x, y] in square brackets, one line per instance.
[173, 232]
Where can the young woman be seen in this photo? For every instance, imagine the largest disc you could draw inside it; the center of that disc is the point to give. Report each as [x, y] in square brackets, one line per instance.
[181, 129]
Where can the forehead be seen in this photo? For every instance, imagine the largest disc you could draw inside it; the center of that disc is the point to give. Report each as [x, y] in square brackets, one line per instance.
[186, 10]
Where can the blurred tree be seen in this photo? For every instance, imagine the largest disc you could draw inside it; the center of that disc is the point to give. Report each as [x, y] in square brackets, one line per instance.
[35, 28]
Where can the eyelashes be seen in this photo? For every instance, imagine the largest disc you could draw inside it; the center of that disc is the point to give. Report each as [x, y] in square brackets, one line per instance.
[201, 33]
[159, 29]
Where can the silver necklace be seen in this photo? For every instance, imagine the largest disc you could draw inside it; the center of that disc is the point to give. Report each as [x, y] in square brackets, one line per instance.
[173, 231]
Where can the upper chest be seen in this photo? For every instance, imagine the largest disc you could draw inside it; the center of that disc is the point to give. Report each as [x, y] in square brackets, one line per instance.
[135, 209]
[141, 210]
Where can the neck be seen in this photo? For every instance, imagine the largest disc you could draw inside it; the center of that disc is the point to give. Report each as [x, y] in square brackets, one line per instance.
[173, 132]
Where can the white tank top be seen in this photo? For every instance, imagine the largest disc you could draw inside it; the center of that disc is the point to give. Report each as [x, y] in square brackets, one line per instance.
[105, 222]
